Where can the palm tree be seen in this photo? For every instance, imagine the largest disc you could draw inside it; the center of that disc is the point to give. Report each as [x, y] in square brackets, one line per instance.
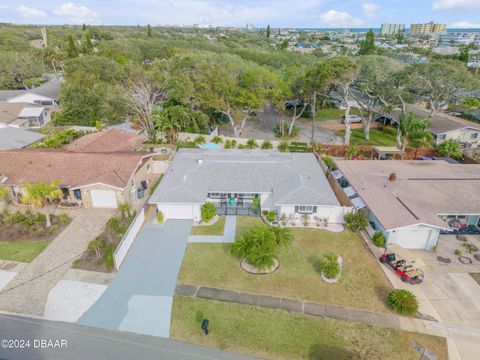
[412, 129]
[41, 194]
[258, 247]
[283, 236]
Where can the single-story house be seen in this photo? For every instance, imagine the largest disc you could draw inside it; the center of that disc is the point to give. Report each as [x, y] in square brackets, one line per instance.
[445, 127]
[46, 94]
[16, 138]
[102, 180]
[288, 183]
[109, 140]
[23, 115]
[412, 202]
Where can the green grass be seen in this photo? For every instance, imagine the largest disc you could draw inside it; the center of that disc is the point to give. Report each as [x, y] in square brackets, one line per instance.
[362, 283]
[476, 277]
[334, 114]
[278, 334]
[214, 229]
[244, 223]
[377, 137]
[22, 250]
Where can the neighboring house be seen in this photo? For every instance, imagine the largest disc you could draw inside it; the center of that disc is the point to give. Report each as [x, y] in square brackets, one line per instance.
[15, 138]
[288, 183]
[412, 202]
[102, 180]
[110, 140]
[23, 115]
[46, 94]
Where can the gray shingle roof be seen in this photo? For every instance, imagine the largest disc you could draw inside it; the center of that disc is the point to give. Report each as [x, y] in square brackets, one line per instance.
[50, 89]
[15, 138]
[293, 178]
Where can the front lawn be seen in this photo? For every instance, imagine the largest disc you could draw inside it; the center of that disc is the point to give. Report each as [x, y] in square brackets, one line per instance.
[377, 138]
[278, 334]
[215, 229]
[22, 250]
[362, 285]
[334, 114]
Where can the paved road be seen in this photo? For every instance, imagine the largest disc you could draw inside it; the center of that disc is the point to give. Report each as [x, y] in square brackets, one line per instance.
[84, 343]
[139, 299]
[228, 234]
[27, 293]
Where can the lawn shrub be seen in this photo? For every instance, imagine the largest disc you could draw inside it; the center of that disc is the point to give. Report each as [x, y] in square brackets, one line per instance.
[208, 211]
[269, 215]
[283, 146]
[109, 250]
[267, 144]
[329, 266]
[63, 218]
[199, 140]
[389, 130]
[256, 202]
[355, 221]
[251, 144]
[329, 162]
[241, 146]
[379, 239]
[186, 144]
[403, 302]
[227, 144]
[217, 140]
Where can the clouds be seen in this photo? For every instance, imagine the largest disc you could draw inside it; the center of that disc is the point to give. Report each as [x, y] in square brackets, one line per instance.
[336, 18]
[465, 25]
[455, 4]
[30, 13]
[77, 14]
[370, 10]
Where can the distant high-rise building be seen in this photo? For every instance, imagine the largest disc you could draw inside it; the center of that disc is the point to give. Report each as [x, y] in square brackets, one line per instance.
[392, 29]
[428, 28]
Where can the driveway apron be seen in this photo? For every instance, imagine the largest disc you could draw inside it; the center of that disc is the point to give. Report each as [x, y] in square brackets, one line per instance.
[139, 299]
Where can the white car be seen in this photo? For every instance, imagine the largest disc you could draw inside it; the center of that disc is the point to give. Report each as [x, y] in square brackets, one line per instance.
[353, 119]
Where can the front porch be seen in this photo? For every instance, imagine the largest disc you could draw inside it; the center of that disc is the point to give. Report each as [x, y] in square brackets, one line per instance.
[462, 224]
[238, 208]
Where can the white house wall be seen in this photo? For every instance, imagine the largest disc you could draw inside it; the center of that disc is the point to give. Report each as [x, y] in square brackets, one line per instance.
[334, 214]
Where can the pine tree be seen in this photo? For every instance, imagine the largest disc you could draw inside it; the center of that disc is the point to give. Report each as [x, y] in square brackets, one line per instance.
[367, 47]
[84, 27]
[87, 44]
[149, 31]
[464, 54]
[268, 31]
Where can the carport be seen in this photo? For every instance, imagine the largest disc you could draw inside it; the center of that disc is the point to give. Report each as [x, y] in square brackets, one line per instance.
[139, 299]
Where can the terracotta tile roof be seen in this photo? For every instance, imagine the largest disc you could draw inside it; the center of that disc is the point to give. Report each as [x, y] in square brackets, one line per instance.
[421, 192]
[70, 169]
[112, 140]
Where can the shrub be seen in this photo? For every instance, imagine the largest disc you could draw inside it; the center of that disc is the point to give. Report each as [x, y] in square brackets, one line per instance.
[109, 256]
[389, 130]
[451, 148]
[329, 163]
[241, 146]
[256, 205]
[403, 302]
[53, 229]
[234, 143]
[228, 144]
[267, 144]
[217, 140]
[283, 146]
[269, 215]
[355, 221]
[199, 140]
[458, 252]
[208, 211]
[329, 266]
[63, 218]
[185, 144]
[379, 239]
[251, 144]
[160, 217]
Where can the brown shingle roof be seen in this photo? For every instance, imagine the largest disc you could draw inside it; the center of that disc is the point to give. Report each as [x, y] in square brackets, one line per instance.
[422, 190]
[112, 140]
[70, 169]
[9, 111]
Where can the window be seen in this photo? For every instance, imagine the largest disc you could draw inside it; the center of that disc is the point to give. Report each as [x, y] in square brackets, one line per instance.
[441, 136]
[305, 209]
[218, 195]
[474, 136]
[78, 194]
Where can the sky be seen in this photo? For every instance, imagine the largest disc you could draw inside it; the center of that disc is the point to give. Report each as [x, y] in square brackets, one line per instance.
[276, 13]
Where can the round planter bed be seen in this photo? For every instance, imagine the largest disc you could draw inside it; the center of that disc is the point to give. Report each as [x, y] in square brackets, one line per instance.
[254, 271]
[332, 281]
[465, 260]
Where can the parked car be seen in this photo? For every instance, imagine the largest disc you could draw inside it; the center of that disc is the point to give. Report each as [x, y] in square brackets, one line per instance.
[386, 120]
[353, 119]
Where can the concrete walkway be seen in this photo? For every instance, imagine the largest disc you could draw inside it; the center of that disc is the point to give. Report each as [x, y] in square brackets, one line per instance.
[27, 293]
[139, 299]
[228, 234]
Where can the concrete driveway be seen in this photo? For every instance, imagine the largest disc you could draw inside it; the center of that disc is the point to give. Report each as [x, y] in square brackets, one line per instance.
[139, 299]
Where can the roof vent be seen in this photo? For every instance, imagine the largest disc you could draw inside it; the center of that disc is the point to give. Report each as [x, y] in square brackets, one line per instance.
[392, 177]
[200, 161]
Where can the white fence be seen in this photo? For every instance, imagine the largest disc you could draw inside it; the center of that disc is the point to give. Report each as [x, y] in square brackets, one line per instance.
[127, 241]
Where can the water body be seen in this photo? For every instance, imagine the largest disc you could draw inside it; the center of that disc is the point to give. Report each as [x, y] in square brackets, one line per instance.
[376, 30]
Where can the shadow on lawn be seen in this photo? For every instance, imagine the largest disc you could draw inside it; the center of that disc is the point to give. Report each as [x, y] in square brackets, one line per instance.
[314, 260]
[323, 352]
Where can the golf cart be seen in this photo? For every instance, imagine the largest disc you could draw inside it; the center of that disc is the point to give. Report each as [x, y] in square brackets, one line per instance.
[407, 272]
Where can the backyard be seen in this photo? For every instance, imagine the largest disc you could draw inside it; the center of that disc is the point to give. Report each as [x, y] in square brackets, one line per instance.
[377, 138]
[362, 284]
[24, 233]
[278, 334]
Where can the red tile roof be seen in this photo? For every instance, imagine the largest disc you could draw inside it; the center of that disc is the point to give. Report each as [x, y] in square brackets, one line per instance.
[112, 140]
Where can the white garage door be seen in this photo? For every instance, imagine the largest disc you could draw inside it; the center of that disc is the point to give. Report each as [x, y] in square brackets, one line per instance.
[179, 212]
[412, 238]
[104, 198]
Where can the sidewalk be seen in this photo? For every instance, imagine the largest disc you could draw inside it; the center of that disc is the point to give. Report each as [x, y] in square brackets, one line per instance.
[227, 237]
